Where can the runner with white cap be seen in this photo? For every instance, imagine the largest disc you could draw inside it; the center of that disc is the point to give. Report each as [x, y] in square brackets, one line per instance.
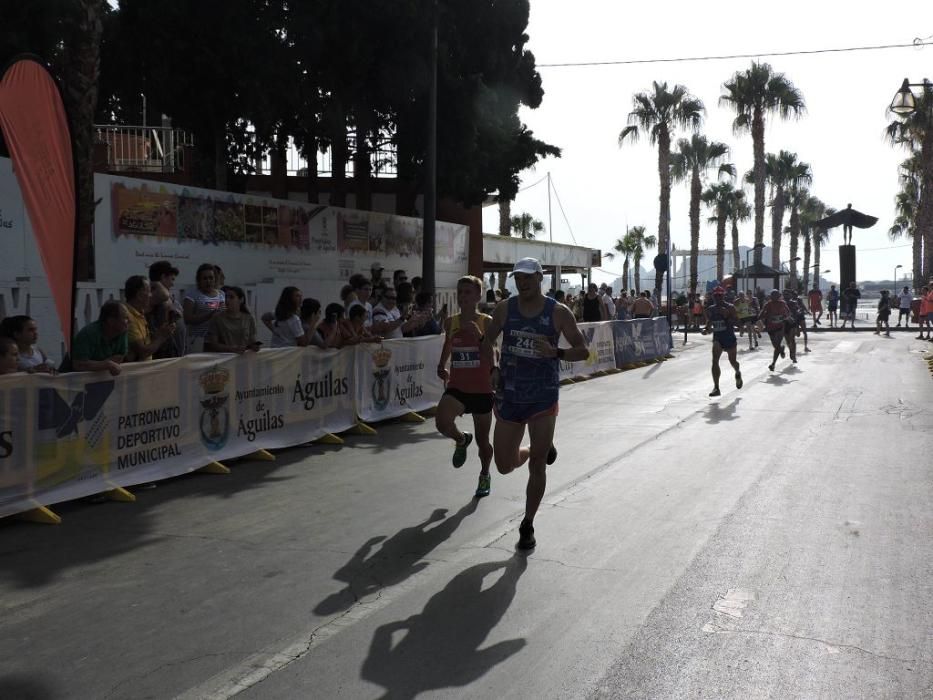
[527, 381]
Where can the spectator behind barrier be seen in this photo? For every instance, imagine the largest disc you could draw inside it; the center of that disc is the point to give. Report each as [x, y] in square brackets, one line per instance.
[398, 277]
[102, 345]
[334, 327]
[310, 314]
[422, 321]
[9, 354]
[416, 285]
[234, 330]
[142, 343]
[405, 297]
[387, 319]
[361, 333]
[166, 307]
[285, 323]
[362, 290]
[220, 279]
[375, 271]
[25, 333]
[201, 305]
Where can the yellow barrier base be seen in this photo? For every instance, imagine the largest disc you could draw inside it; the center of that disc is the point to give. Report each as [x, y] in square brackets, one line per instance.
[120, 495]
[261, 456]
[214, 468]
[568, 380]
[429, 412]
[412, 417]
[41, 515]
[630, 365]
[329, 439]
[362, 429]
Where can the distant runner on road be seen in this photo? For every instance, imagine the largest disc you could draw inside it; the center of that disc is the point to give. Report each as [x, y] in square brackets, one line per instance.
[776, 315]
[527, 381]
[721, 319]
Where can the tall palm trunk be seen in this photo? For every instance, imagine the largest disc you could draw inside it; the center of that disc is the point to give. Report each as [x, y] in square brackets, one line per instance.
[917, 259]
[637, 263]
[338, 176]
[720, 243]
[735, 245]
[817, 244]
[362, 163]
[81, 76]
[625, 266]
[758, 147]
[806, 260]
[924, 222]
[794, 241]
[664, 217]
[505, 229]
[695, 190]
[777, 226]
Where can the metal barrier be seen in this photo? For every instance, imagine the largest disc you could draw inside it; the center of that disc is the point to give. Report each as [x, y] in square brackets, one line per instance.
[144, 148]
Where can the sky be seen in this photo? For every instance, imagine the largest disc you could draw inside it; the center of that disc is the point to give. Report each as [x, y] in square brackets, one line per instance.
[604, 188]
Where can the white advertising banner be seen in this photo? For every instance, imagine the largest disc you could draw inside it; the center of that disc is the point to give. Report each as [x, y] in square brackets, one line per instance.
[398, 376]
[599, 339]
[78, 434]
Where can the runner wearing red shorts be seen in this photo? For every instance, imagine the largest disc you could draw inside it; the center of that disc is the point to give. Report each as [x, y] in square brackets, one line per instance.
[527, 381]
[469, 385]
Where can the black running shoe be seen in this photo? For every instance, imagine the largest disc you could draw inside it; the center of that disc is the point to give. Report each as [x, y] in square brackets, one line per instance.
[460, 451]
[551, 455]
[526, 536]
[715, 392]
[782, 351]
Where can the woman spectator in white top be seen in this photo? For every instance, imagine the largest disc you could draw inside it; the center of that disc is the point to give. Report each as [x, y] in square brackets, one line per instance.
[234, 330]
[25, 333]
[285, 324]
[201, 305]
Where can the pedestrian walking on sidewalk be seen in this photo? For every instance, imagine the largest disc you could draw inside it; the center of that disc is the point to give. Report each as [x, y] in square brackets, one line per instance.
[904, 308]
[527, 381]
[884, 313]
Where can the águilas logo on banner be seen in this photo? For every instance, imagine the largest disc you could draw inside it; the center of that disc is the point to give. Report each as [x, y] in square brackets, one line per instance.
[382, 389]
[215, 416]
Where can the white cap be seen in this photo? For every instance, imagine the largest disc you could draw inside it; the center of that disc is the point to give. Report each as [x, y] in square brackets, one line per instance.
[527, 266]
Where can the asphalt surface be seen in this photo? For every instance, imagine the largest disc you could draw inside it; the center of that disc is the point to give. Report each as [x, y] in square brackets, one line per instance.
[774, 542]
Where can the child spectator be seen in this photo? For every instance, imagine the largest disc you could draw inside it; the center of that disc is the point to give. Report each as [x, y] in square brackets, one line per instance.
[422, 321]
[334, 328]
[362, 290]
[310, 314]
[361, 333]
[285, 323]
[9, 354]
[234, 330]
[25, 333]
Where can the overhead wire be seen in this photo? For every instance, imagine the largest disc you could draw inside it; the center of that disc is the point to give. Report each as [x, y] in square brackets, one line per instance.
[916, 43]
[563, 213]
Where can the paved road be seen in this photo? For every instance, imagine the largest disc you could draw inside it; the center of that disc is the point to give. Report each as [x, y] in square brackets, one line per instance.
[775, 542]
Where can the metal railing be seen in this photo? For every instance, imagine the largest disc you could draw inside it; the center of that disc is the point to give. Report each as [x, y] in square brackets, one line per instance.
[383, 160]
[144, 148]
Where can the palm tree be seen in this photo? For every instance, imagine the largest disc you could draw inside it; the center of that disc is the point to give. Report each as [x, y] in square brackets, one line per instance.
[692, 159]
[82, 73]
[739, 211]
[657, 114]
[624, 247]
[753, 94]
[798, 177]
[811, 211]
[915, 132]
[779, 170]
[717, 197]
[906, 204]
[639, 241]
[526, 226]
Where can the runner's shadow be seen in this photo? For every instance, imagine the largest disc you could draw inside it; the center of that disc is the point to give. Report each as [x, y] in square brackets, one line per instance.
[778, 380]
[717, 414]
[24, 687]
[440, 646]
[399, 557]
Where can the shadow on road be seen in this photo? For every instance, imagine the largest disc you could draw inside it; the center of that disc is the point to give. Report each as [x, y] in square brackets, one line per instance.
[440, 646]
[34, 555]
[398, 558]
[717, 414]
[778, 380]
[21, 687]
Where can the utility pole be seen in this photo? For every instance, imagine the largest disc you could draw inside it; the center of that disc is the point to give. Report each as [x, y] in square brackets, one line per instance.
[550, 229]
[430, 187]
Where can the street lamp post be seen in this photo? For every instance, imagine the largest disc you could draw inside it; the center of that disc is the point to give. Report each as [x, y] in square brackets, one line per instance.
[754, 247]
[896, 268]
[904, 102]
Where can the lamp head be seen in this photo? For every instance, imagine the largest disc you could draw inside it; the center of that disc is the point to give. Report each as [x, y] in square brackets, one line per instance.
[904, 102]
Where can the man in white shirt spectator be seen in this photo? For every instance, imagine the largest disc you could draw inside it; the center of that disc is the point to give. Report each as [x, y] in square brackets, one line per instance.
[388, 321]
[606, 295]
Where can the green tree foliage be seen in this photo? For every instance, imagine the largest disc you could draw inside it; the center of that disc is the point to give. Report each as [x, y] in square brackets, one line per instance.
[753, 94]
[524, 225]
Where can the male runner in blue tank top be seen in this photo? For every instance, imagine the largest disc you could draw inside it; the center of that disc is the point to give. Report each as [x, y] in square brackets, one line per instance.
[527, 381]
[721, 318]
